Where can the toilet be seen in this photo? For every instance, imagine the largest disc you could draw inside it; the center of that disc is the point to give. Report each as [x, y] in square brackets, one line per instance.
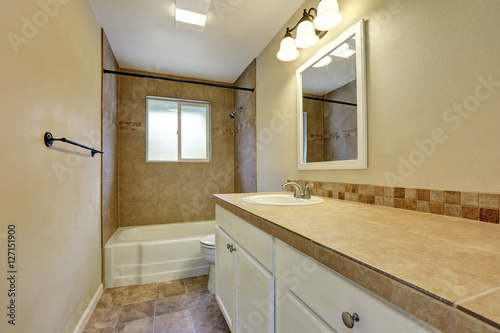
[207, 249]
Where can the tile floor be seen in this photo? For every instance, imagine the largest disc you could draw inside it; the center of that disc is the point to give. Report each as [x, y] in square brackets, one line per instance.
[179, 306]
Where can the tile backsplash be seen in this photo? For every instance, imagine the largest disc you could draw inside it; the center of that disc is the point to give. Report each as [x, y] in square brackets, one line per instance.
[477, 206]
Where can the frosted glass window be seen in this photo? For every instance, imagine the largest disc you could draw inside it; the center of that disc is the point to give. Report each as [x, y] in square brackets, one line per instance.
[194, 132]
[177, 130]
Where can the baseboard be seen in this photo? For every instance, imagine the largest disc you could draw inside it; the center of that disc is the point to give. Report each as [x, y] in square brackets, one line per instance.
[89, 310]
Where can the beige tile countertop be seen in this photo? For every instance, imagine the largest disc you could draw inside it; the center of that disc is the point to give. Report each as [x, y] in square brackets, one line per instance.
[443, 270]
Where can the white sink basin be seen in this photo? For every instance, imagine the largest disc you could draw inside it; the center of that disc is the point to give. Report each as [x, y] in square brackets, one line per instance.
[280, 200]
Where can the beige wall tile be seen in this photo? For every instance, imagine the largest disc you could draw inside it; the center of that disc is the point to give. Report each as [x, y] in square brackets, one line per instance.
[437, 196]
[423, 195]
[423, 206]
[169, 89]
[352, 197]
[367, 189]
[471, 213]
[452, 197]
[109, 194]
[110, 224]
[453, 210]
[489, 200]
[389, 192]
[109, 165]
[411, 193]
[470, 199]
[125, 87]
[157, 192]
[379, 191]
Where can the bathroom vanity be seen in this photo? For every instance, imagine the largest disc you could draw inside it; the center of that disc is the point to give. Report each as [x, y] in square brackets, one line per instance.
[348, 267]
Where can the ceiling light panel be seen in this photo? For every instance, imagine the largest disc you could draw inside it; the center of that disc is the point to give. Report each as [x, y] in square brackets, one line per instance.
[191, 14]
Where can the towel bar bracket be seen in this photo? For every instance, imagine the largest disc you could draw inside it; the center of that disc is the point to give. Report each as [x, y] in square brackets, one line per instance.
[48, 139]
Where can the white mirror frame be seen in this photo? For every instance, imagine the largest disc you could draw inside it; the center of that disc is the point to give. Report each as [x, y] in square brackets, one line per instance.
[362, 161]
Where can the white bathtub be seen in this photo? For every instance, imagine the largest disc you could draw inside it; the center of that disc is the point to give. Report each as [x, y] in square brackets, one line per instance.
[147, 254]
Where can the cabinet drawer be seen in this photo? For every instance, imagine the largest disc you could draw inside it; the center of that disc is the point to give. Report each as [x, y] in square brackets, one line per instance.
[328, 294]
[255, 241]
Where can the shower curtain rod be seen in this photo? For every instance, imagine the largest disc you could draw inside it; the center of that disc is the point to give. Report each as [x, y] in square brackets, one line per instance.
[329, 100]
[106, 71]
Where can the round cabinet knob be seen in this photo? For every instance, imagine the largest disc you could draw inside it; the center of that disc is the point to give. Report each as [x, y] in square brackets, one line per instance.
[228, 246]
[349, 319]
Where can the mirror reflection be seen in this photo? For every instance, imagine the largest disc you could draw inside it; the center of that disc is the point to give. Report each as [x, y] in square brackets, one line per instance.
[329, 106]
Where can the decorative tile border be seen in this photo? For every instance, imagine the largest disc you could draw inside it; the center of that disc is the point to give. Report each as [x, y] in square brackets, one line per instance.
[333, 136]
[132, 126]
[244, 126]
[477, 206]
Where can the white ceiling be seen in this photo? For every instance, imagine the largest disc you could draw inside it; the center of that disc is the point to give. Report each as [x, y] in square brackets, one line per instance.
[143, 35]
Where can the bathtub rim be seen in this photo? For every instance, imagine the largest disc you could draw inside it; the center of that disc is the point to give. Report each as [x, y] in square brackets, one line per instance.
[116, 241]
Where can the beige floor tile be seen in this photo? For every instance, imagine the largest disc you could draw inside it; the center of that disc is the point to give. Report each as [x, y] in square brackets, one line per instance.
[102, 318]
[136, 311]
[173, 322]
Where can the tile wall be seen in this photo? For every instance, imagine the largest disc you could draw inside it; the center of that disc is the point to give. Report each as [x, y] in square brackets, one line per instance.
[340, 125]
[477, 206]
[314, 110]
[166, 192]
[109, 202]
[332, 128]
[244, 136]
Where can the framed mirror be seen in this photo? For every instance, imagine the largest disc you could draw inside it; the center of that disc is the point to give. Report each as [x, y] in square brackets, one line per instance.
[331, 105]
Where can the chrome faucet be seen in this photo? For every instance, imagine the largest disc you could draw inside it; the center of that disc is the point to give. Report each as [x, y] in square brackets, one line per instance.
[299, 191]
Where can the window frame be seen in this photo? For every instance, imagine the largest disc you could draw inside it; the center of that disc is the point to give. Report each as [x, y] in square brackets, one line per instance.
[180, 102]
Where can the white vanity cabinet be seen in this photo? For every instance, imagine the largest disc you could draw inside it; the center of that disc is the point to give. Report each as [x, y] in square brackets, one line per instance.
[265, 285]
[244, 282]
[310, 295]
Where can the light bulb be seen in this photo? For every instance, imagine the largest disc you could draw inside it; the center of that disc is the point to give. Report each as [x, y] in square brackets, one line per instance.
[288, 51]
[329, 16]
[306, 35]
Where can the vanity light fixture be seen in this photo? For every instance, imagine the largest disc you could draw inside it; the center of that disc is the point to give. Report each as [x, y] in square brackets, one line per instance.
[312, 26]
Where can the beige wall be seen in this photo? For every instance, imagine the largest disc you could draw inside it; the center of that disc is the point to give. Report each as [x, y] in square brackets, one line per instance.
[245, 169]
[50, 82]
[423, 59]
[157, 192]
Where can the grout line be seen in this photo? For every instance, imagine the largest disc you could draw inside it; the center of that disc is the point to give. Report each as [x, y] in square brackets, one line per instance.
[479, 294]
[154, 310]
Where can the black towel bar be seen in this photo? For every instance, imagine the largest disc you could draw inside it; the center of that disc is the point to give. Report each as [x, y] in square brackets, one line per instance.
[48, 139]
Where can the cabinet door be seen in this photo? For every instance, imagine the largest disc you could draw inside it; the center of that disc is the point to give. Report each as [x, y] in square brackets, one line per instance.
[255, 295]
[225, 270]
[328, 294]
[293, 316]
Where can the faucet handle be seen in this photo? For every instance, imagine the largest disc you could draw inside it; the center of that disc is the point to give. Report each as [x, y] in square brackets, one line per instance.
[307, 195]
